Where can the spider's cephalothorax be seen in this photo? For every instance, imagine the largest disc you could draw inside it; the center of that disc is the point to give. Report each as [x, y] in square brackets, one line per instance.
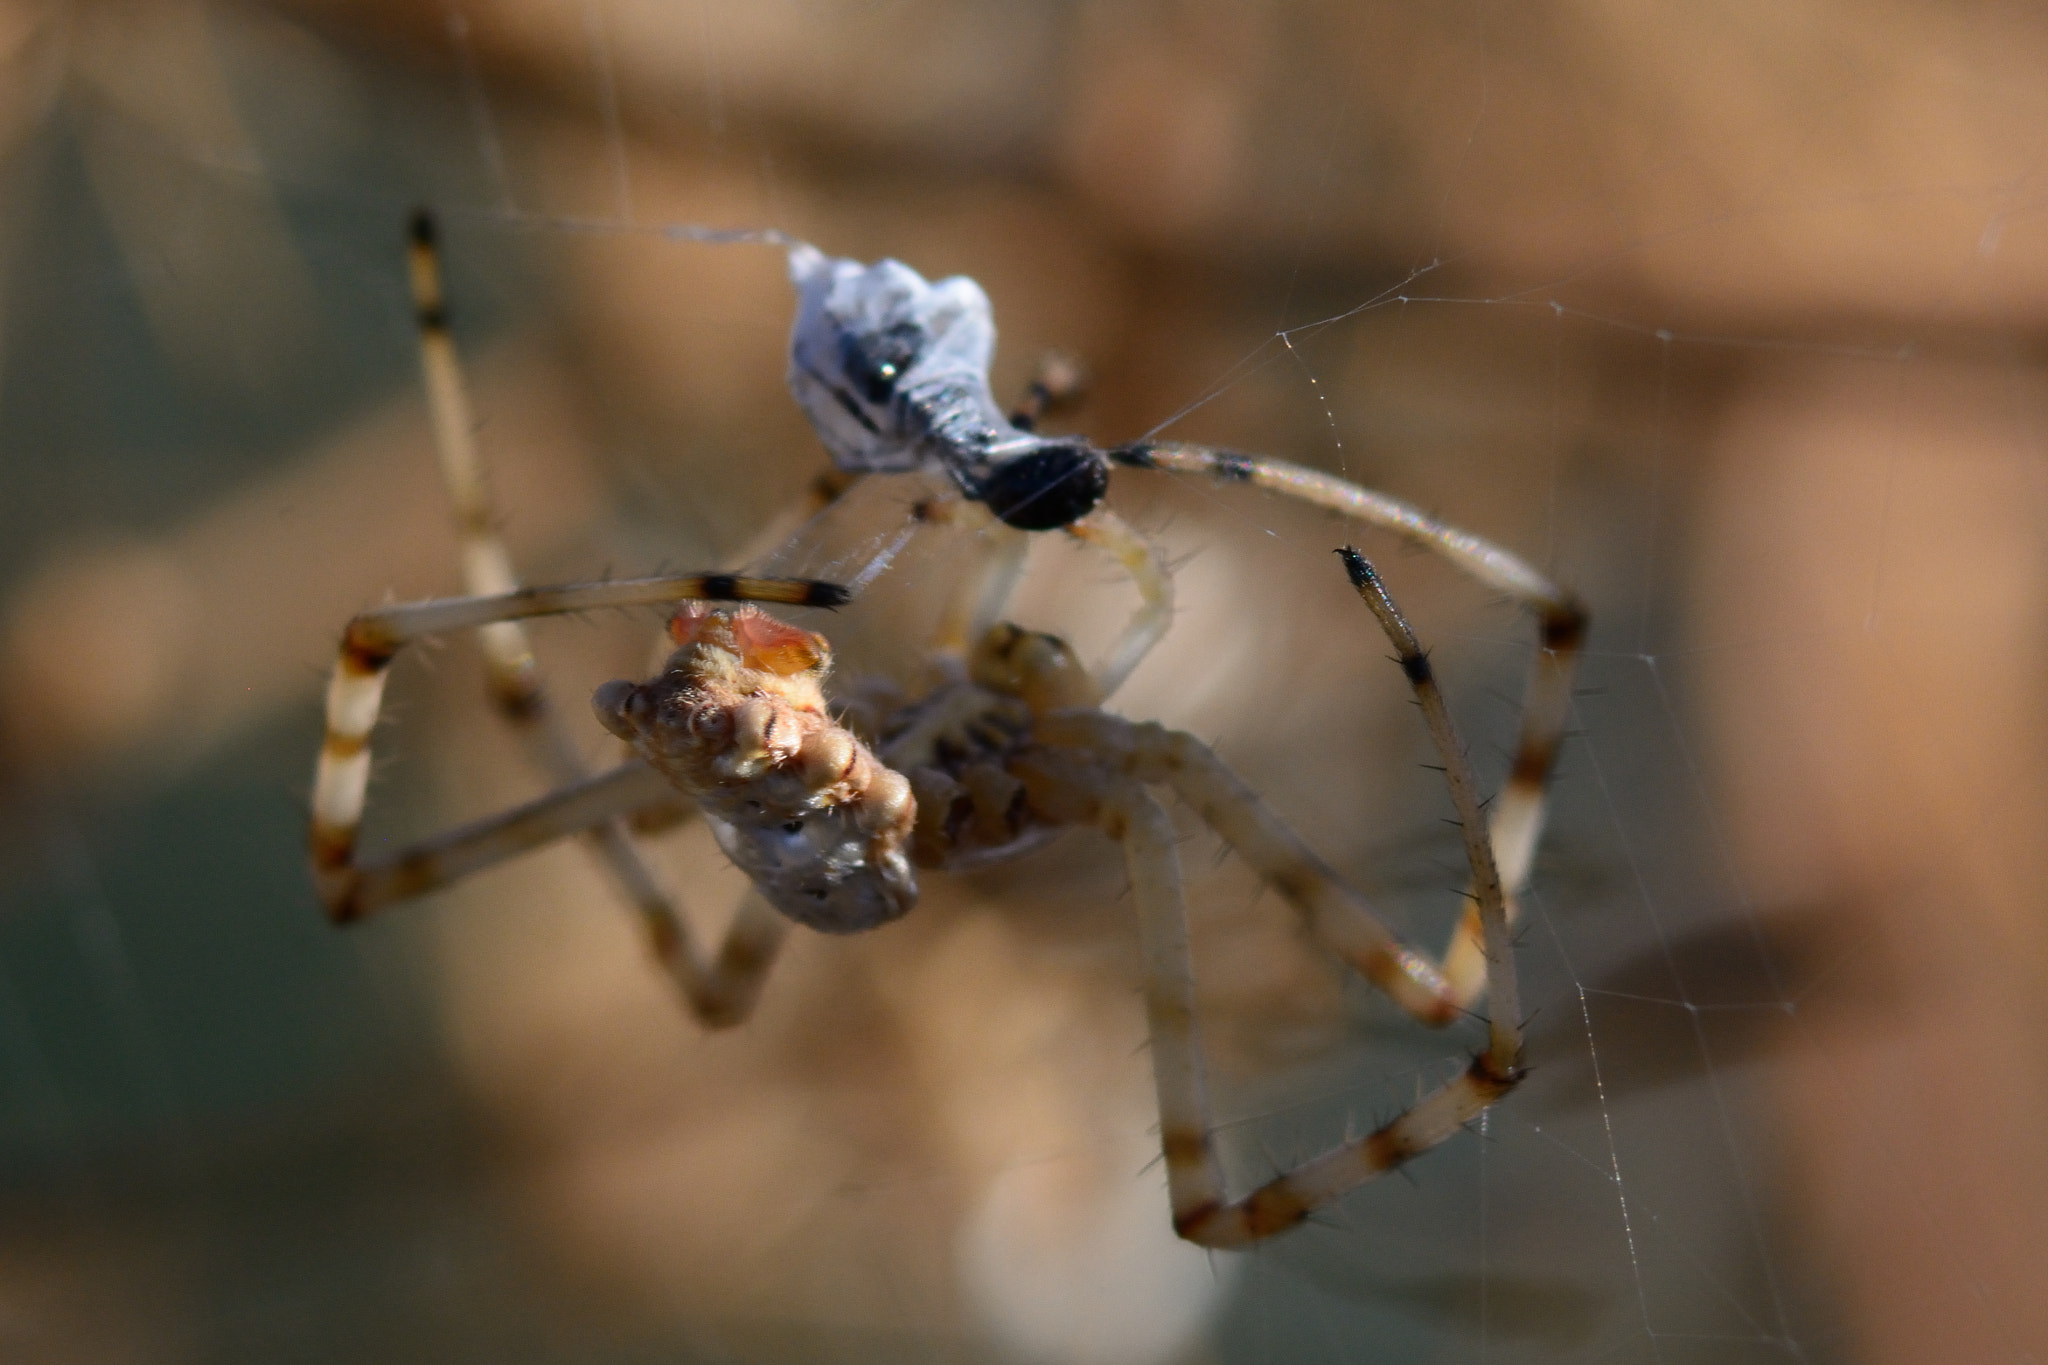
[963, 743]
[893, 373]
[737, 720]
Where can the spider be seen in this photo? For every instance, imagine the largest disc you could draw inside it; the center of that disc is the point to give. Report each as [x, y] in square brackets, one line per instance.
[831, 815]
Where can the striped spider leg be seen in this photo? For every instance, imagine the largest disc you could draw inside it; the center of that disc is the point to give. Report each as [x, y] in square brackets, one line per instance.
[718, 991]
[1022, 748]
[1518, 812]
[1202, 1210]
[512, 673]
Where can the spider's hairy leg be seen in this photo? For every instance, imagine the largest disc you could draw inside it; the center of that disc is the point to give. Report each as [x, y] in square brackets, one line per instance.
[1146, 565]
[1334, 914]
[981, 595]
[720, 992]
[1517, 822]
[512, 672]
[440, 860]
[1504, 1046]
[1518, 811]
[1202, 1211]
[486, 563]
[1483, 560]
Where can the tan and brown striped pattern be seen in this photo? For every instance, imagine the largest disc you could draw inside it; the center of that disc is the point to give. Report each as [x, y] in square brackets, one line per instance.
[1483, 560]
[356, 689]
[1334, 914]
[486, 563]
[1202, 1210]
[982, 594]
[1518, 812]
[512, 671]
[978, 603]
[1139, 755]
[1489, 898]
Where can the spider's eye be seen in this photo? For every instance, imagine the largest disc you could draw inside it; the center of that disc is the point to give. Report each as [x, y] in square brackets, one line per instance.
[792, 827]
[1047, 488]
[875, 361]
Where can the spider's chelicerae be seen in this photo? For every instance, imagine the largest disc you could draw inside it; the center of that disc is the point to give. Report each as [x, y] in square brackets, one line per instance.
[830, 816]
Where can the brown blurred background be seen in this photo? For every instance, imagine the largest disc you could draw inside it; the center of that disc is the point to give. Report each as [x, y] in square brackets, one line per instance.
[1730, 315]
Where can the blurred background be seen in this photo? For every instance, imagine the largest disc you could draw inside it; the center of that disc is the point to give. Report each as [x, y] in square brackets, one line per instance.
[1732, 316]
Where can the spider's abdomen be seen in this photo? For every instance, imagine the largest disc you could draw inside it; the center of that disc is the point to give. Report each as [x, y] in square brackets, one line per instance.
[737, 722]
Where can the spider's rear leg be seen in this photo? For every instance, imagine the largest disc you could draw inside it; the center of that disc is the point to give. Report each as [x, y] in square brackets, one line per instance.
[1489, 898]
[1334, 914]
[981, 595]
[1518, 814]
[1146, 565]
[1202, 1210]
[719, 992]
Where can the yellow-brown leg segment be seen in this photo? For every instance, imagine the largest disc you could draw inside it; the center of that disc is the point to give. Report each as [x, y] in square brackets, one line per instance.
[720, 992]
[440, 860]
[1518, 813]
[513, 673]
[979, 600]
[1202, 1211]
[1334, 914]
[355, 691]
[1489, 901]
[1142, 560]
[981, 595]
